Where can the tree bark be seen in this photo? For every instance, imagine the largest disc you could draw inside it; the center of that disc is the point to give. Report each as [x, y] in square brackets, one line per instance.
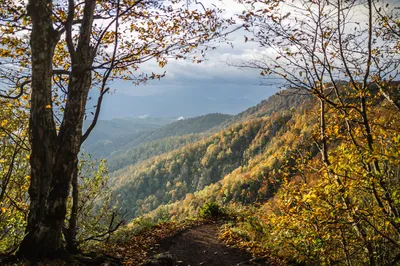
[54, 157]
[70, 232]
[43, 136]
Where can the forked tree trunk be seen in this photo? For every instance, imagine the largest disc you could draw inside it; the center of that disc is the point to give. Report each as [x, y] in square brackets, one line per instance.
[54, 157]
[71, 232]
[41, 236]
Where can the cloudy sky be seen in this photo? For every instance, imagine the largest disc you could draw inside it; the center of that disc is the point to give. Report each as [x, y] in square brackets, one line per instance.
[213, 77]
[214, 70]
[216, 85]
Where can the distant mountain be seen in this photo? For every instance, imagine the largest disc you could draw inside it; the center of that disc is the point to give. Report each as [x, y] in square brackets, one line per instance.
[206, 160]
[127, 141]
[129, 156]
[187, 126]
[164, 139]
[189, 102]
[109, 135]
[282, 101]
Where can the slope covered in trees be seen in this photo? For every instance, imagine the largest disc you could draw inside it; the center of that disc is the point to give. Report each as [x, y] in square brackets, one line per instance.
[256, 180]
[187, 126]
[63, 50]
[110, 135]
[131, 147]
[132, 155]
[284, 100]
[317, 184]
[169, 177]
[270, 174]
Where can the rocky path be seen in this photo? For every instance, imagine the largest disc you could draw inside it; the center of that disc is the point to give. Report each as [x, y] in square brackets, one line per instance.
[200, 246]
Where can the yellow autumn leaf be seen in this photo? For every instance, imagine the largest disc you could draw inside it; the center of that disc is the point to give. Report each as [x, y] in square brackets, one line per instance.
[48, 106]
[309, 197]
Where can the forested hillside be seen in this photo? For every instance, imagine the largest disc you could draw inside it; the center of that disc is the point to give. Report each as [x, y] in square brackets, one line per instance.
[171, 176]
[109, 135]
[187, 126]
[138, 139]
[283, 100]
[310, 176]
[131, 155]
[268, 171]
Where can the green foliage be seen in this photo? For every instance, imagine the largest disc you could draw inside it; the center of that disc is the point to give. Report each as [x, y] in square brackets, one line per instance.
[135, 227]
[211, 210]
[302, 212]
[14, 171]
[96, 213]
[111, 135]
[124, 139]
[141, 152]
[170, 177]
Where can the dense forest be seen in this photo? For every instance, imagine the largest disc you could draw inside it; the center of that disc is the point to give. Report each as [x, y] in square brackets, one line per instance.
[126, 141]
[110, 135]
[309, 176]
[269, 173]
[171, 176]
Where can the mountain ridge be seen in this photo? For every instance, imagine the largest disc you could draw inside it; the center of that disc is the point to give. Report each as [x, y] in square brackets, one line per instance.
[192, 167]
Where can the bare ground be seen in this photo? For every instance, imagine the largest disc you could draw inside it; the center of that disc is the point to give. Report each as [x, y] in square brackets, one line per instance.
[200, 246]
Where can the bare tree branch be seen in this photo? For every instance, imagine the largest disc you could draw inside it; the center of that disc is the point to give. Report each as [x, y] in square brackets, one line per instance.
[21, 91]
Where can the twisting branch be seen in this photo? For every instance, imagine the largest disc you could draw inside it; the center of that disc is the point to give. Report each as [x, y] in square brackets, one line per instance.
[61, 30]
[96, 116]
[199, 3]
[68, 29]
[106, 76]
[110, 230]
[111, 22]
[61, 72]
[21, 91]
[10, 170]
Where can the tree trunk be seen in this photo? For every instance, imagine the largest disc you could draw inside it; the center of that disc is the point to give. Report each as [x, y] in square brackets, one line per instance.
[54, 158]
[43, 136]
[70, 232]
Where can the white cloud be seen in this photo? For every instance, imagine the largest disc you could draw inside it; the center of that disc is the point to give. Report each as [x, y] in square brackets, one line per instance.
[217, 69]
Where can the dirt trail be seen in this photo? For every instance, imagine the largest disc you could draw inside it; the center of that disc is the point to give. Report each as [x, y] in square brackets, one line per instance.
[200, 246]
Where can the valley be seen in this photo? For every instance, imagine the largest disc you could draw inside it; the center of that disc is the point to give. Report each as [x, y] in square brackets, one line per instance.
[260, 167]
[221, 132]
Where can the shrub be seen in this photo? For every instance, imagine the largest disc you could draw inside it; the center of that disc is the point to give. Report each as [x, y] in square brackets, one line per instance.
[211, 210]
